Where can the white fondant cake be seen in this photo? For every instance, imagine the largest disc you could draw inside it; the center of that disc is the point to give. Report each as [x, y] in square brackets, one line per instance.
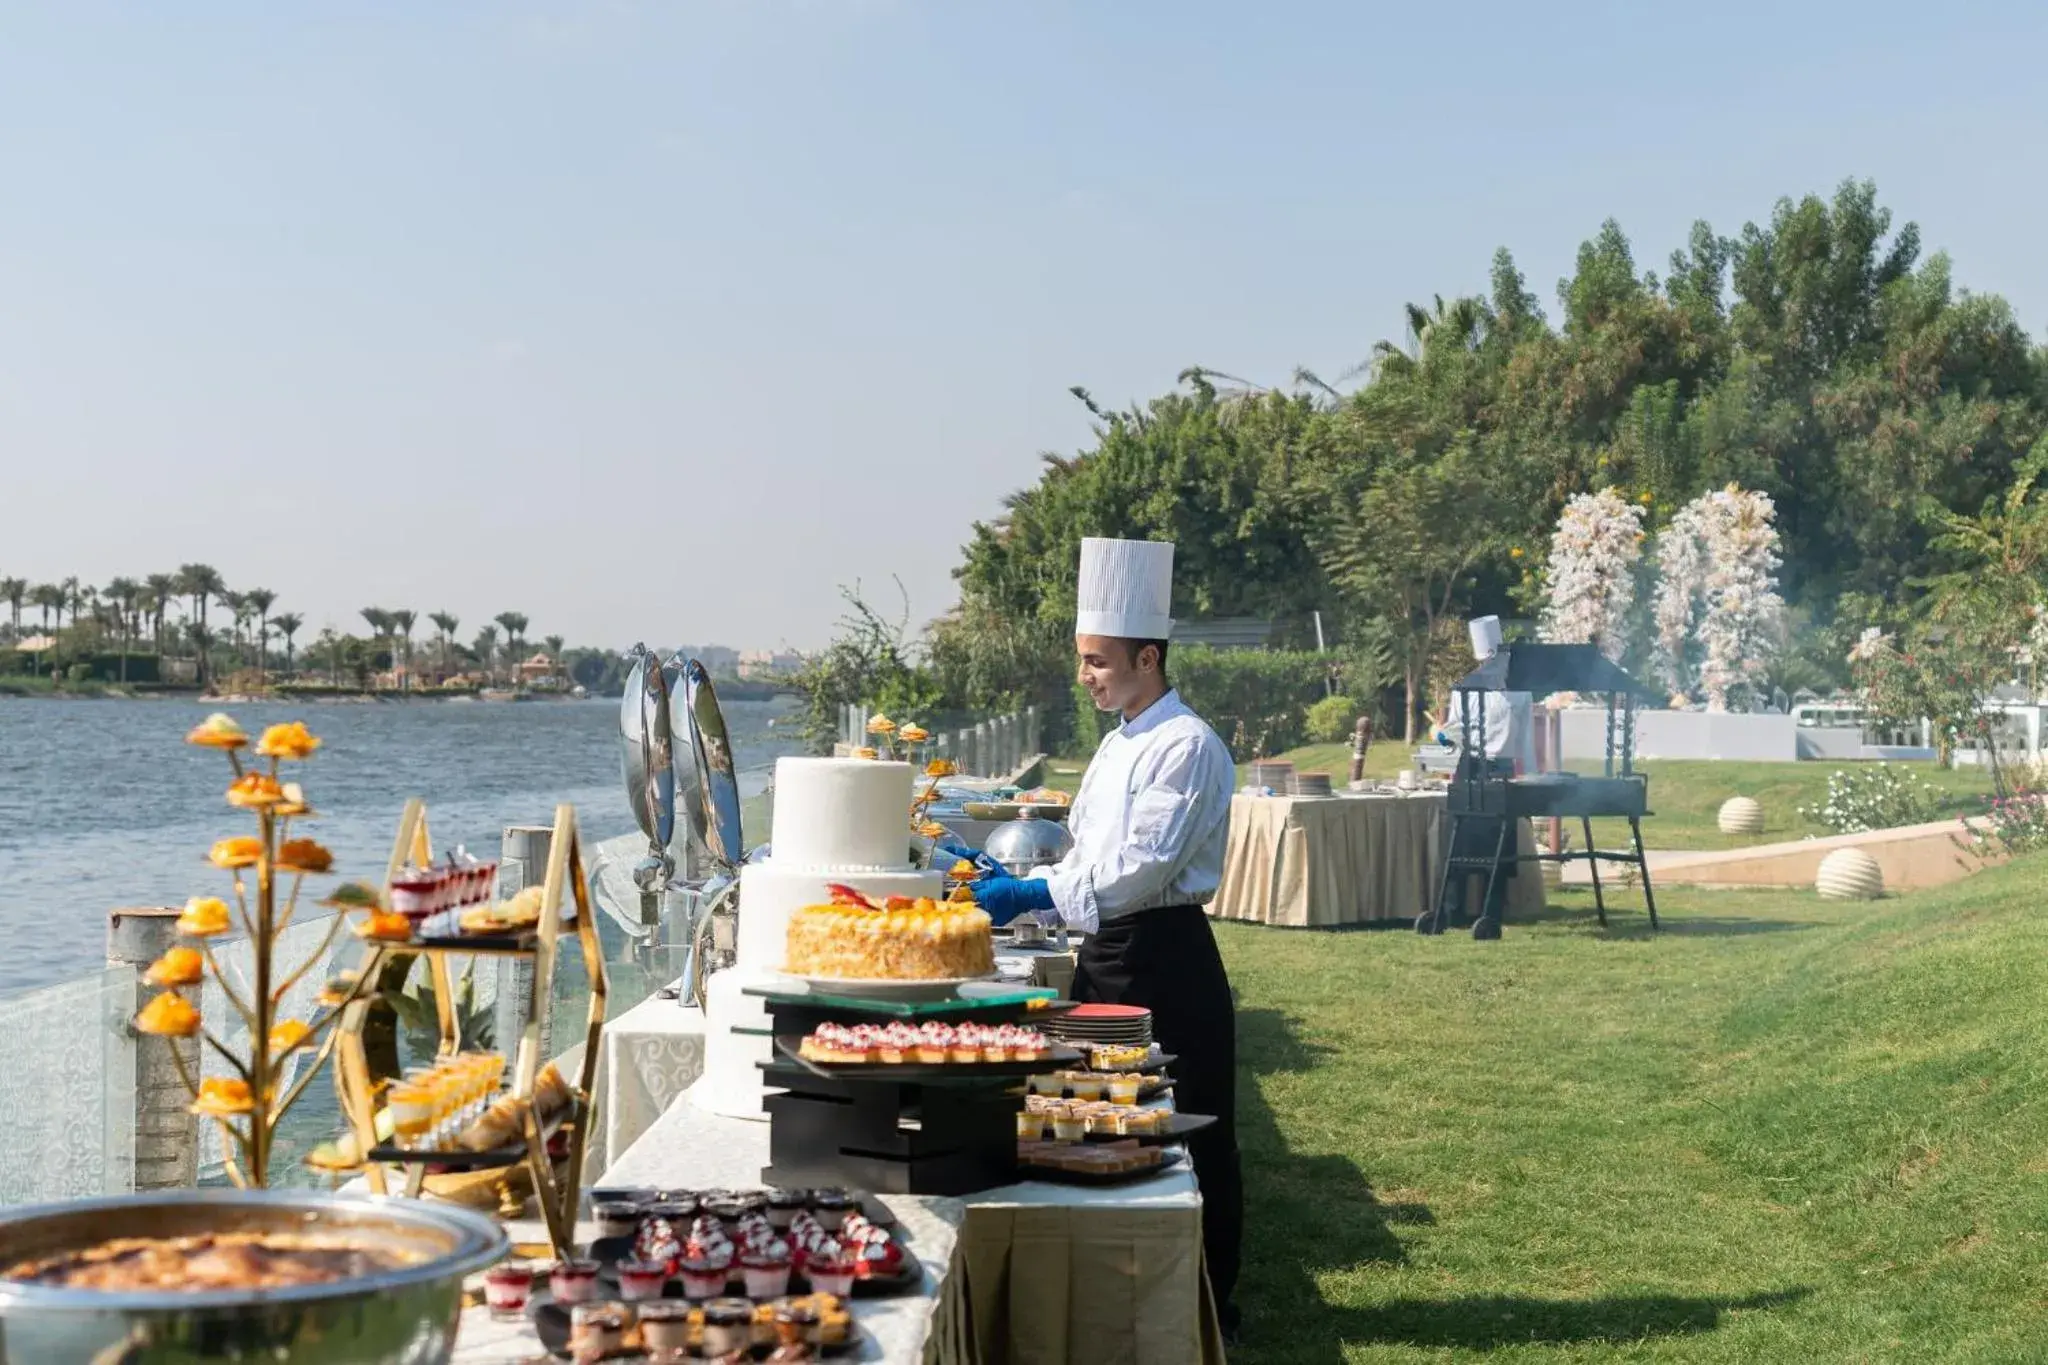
[837, 820]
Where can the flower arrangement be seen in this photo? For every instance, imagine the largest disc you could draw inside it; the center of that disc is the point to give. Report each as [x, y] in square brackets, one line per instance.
[1718, 582]
[1589, 583]
[249, 1103]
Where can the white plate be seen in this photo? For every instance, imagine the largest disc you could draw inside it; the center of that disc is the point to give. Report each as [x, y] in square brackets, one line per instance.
[871, 988]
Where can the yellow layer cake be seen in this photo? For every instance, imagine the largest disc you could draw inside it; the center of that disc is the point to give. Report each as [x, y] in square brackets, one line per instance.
[915, 942]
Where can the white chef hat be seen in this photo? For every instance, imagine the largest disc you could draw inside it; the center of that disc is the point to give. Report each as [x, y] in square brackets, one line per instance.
[1126, 589]
[1485, 633]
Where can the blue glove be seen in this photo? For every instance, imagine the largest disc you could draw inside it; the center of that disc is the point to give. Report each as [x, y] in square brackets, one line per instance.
[984, 866]
[1005, 898]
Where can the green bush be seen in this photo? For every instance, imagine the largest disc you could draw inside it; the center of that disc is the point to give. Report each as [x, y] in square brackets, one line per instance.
[1257, 700]
[1331, 720]
[1087, 723]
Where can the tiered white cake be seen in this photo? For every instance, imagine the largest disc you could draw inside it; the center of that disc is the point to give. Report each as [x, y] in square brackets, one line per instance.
[837, 820]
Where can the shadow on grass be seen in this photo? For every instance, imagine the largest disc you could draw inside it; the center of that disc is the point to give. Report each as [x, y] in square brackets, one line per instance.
[1630, 920]
[1483, 1322]
[1311, 1215]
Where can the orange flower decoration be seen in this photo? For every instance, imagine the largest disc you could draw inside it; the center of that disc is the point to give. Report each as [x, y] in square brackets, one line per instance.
[932, 829]
[962, 868]
[914, 733]
[303, 855]
[294, 802]
[881, 725]
[217, 731]
[178, 967]
[354, 896]
[386, 924]
[962, 894]
[255, 791]
[204, 917]
[170, 1015]
[244, 850]
[223, 1097]
[339, 988]
[865, 752]
[292, 740]
[287, 1034]
[940, 767]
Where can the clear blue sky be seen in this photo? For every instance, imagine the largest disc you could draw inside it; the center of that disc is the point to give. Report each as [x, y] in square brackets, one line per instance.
[662, 320]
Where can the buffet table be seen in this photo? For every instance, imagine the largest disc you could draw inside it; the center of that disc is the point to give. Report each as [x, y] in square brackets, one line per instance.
[1038, 1273]
[1310, 862]
[652, 1054]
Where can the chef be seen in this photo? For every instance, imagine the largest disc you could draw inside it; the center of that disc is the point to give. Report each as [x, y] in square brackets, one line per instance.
[1507, 716]
[1149, 827]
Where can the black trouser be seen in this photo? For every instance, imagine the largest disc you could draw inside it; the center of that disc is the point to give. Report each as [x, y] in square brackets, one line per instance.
[1166, 960]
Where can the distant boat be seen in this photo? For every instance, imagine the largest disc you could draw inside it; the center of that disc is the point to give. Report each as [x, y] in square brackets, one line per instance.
[497, 694]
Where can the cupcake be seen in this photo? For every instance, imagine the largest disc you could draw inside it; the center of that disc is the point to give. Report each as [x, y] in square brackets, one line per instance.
[934, 1042]
[705, 1276]
[665, 1325]
[642, 1280]
[966, 1044]
[1028, 1045]
[895, 1043]
[784, 1206]
[728, 1326]
[830, 1207]
[1030, 1126]
[830, 1269]
[766, 1270]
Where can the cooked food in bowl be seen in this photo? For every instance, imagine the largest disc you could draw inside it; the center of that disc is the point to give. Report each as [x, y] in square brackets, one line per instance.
[211, 1261]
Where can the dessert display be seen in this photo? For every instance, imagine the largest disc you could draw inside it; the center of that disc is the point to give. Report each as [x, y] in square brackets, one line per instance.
[200, 1264]
[507, 1286]
[1073, 1120]
[1114, 1058]
[1102, 1160]
[661, 1331]
[724, 1243]
[899, 940]
[931, 1044]
[1118, 1087]
[836, 822]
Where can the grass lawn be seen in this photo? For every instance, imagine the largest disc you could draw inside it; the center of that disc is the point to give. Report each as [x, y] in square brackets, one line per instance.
[1781, 1130]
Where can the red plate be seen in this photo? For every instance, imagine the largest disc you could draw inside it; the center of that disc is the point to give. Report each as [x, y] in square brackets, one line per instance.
[1109, 1012]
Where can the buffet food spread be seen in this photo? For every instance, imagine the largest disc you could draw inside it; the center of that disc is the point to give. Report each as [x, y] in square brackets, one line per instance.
[212, 1261]
[898, 940]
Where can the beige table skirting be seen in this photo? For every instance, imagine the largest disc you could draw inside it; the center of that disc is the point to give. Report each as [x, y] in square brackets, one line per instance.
[1310, 862]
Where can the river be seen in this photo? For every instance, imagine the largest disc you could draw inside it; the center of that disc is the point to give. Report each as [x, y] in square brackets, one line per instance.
[102, 804]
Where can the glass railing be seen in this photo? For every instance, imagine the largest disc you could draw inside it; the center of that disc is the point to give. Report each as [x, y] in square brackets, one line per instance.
[67, 1086]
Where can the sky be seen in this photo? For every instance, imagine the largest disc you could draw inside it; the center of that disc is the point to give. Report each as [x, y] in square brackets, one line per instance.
[665, 321]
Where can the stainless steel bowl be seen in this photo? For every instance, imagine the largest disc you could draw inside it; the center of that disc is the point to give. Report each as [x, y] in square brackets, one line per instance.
[1027, 842]
[395, 1317]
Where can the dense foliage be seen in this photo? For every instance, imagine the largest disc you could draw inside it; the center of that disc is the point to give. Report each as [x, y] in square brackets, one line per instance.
[1816, 358]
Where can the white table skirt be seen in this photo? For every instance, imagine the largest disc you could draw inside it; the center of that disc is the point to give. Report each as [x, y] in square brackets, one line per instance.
[652, 1053]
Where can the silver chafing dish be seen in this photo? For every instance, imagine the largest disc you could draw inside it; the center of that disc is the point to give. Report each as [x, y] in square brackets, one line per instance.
[1025, 843]
[394, 1317]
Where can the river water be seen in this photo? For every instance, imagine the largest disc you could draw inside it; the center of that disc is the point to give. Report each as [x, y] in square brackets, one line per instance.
[102, 804]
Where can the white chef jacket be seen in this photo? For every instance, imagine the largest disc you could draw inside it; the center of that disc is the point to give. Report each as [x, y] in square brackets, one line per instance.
[1150, 822]
[1510, 725]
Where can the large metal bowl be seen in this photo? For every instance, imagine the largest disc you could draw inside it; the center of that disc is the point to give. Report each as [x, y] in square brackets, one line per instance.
[395, 1317]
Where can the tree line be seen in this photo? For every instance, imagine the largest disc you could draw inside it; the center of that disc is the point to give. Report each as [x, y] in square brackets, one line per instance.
[1818, 357]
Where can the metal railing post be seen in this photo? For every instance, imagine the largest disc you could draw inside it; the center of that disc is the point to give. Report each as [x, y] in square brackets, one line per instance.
[166, 1131]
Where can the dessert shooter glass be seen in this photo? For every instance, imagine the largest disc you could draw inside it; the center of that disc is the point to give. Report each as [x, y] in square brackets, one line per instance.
[642, 1280]
[507, 1286]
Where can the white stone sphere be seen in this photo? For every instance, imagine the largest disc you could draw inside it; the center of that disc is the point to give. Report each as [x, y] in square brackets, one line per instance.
[1849, 874]
[1742, 815]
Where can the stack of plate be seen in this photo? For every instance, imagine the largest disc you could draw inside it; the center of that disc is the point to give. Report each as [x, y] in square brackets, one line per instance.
[1108, 1025]
[1312, 784]
[1276, 774]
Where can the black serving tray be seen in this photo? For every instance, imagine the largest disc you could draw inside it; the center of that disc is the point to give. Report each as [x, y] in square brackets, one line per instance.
[609, 1251]
[453, 1159]
[1056, 1058]
[1018, 1006]
[551, 1324]
[874, 1209]
[1177, 1127]
[1053, 1175]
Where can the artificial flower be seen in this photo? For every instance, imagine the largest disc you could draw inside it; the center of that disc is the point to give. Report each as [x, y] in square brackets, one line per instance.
[865, 752]
[961, 868]
[354, 896]
[387, 925]
[940, 767]
[290, 740]
[932, 829]
[287, 1034]
[962, 894]
[169, 1015]
[178, 967]
[339, 988]
[223, 1097]
[914, 733]
[217, 731]
[244, 850]
[294, 802]
[303, 855]
[204, 917]
[1589, 583]
[255, 791]
[881, 725]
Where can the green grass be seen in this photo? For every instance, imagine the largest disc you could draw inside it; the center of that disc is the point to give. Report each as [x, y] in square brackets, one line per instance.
[1781, 1130]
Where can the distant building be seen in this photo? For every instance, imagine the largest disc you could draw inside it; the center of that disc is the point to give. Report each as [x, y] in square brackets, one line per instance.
[770, 663]
[719, 661]
[1225, 632]
[537, 669]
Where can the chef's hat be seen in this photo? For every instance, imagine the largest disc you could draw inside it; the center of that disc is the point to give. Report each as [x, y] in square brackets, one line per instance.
[1485, 632]
[1126, 589]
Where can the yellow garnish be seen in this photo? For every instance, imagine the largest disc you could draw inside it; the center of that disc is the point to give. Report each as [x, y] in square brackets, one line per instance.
[204, 916]
[290, 740]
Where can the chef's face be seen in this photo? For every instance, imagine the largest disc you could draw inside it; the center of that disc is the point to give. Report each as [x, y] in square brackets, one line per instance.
[1115, 671]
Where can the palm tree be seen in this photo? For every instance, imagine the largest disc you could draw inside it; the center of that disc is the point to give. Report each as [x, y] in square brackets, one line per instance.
[46, 597]
[13, 591]
[202, 644]
[515, 635]
[485, 646]
[199, 582]
[123, 592]
[444, 622]
[260, 601]
[331, 643]
[553, 645]
[162, 588]
[288, 623]
[380, 623]
[69, 587]
[402, 621]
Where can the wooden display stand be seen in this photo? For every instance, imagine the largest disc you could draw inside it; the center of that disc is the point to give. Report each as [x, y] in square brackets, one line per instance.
[556, 1194]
